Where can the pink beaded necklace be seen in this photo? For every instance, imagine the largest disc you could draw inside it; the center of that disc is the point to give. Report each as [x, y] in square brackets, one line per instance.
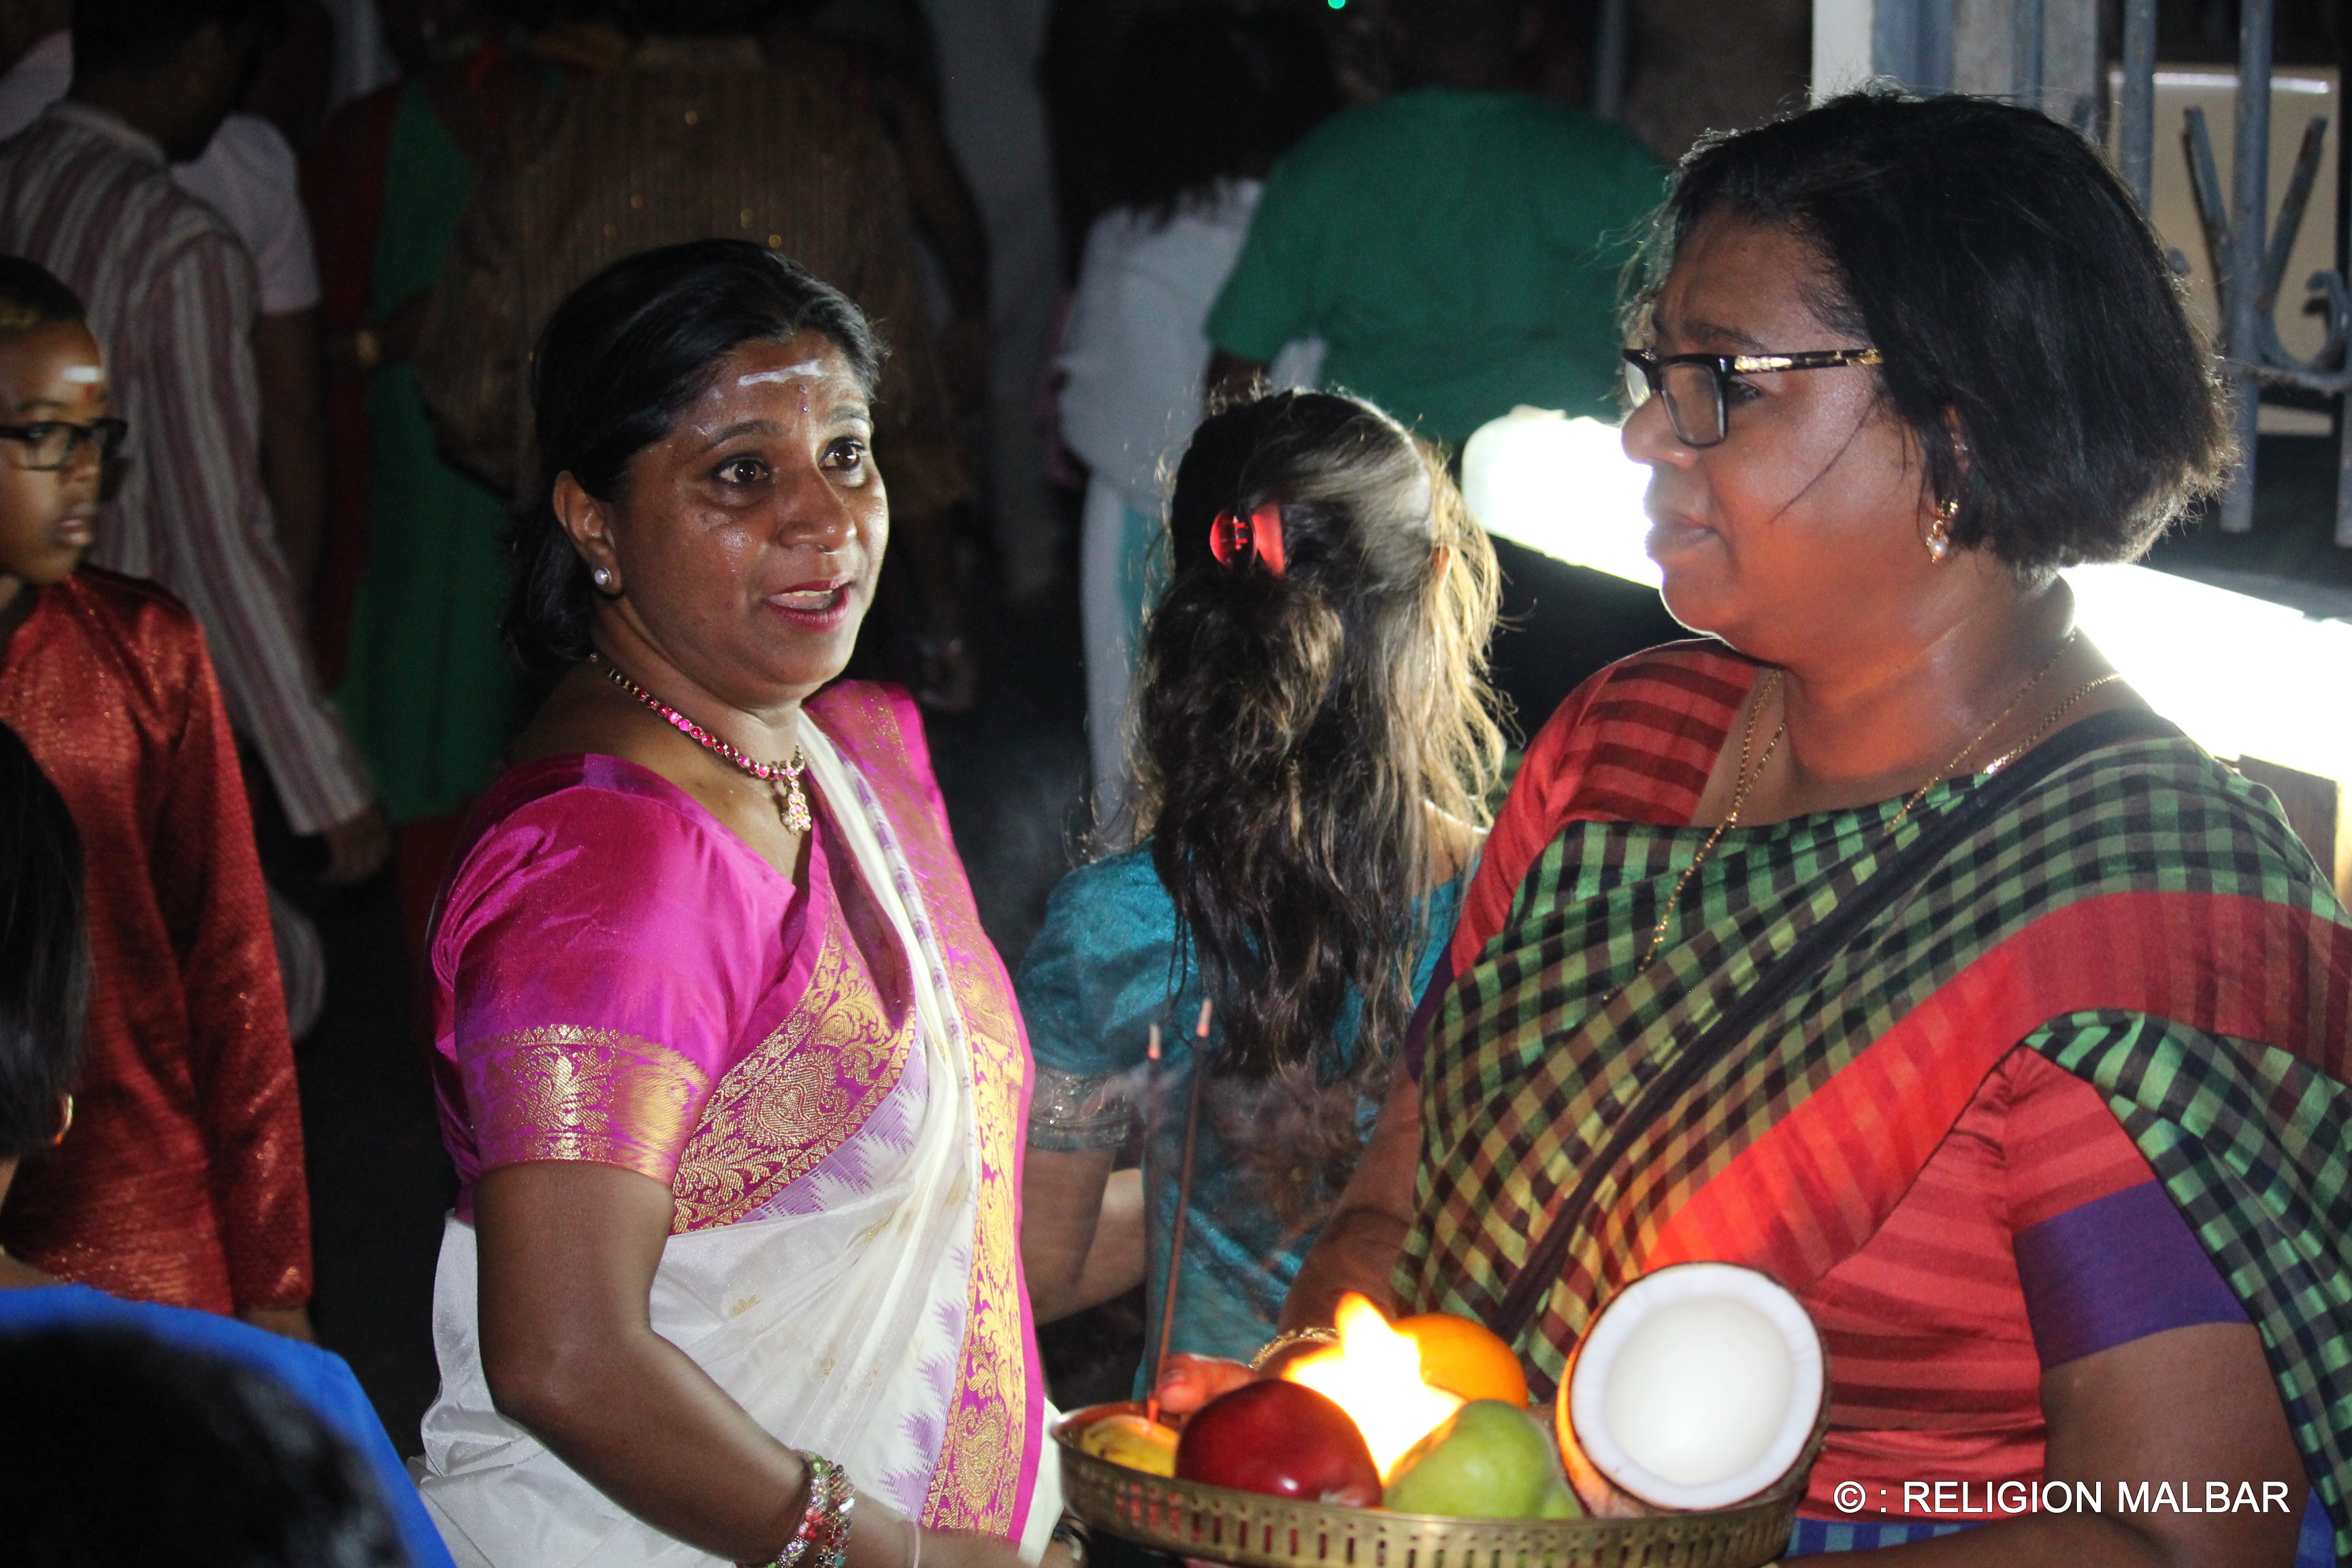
[783, 779]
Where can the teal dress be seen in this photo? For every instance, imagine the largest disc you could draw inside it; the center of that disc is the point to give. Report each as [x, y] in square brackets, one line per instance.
[1100, 973]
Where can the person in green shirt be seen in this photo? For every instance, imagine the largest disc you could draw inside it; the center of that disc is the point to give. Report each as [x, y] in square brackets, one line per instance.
[1456, 246]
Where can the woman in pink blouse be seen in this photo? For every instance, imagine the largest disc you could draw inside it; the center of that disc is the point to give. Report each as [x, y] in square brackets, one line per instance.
[732, 1075]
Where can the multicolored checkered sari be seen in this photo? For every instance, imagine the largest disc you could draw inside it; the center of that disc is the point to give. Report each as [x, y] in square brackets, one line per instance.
[2142, 916]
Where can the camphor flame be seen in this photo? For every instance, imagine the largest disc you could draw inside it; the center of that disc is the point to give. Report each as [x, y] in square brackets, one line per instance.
[1374, 1374]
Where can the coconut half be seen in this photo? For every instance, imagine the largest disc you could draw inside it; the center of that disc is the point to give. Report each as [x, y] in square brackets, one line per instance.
[1697, 1386]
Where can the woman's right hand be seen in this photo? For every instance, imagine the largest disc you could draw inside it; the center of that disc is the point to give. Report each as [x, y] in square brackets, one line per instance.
[1188, 1382]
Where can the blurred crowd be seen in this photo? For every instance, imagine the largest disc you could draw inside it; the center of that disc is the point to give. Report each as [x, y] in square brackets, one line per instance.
[445, 444]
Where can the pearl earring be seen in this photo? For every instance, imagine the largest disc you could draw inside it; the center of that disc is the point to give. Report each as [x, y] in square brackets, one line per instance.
[1939, 532]
[604, 577]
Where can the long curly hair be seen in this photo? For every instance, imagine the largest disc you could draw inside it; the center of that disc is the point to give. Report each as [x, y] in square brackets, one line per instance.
[1298, 734]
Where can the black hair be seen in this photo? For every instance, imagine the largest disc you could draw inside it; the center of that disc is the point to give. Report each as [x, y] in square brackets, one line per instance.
[32, 296]
[619, 361]
[2015, 290]
[119, 1448]
[1297, 733]
[1203, 95]
[45, 973]
[134, 37]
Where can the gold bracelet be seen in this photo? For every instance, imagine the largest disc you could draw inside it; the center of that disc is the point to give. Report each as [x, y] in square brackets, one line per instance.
[1282, 1341]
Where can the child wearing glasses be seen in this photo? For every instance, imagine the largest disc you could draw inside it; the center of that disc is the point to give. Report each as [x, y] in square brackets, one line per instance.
[179, 1176]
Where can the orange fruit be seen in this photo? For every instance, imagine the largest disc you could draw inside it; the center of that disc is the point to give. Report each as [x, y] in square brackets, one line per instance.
[1464, 1356]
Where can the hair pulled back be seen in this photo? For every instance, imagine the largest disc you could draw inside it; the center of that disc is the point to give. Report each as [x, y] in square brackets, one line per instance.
[45, 974]
[2018, 295]
[1297, 732]
[617, 363]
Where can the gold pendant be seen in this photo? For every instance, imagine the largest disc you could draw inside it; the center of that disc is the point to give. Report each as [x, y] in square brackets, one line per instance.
[791, 805]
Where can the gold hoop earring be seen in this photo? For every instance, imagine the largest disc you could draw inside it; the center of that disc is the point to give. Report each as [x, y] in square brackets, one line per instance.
[1939, 532]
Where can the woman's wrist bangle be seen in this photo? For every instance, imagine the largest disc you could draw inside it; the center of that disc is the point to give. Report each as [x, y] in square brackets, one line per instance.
[1289, 1338]
[823, 1538]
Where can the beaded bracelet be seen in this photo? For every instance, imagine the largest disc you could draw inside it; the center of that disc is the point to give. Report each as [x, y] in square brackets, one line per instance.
[823, 1538]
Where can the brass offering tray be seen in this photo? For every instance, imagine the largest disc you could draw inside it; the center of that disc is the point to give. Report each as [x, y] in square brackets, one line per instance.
[1251, 1529]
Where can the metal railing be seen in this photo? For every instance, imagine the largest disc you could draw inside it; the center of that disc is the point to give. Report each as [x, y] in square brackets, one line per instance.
[2248, 255]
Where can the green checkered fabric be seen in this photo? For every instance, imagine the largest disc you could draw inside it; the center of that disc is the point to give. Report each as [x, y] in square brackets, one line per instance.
[1547, 1037]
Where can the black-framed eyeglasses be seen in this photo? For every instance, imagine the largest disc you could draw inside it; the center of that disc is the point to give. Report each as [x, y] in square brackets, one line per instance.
[1695, 386]
[54, 443]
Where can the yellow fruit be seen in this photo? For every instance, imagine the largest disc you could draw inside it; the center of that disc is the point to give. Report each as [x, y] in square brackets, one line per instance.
[1131, 1441]
[1462, 1356]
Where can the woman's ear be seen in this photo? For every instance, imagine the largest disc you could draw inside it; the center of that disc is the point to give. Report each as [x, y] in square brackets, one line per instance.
[589, 521]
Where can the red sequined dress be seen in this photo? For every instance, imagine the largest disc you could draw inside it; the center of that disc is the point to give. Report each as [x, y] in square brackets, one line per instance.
[182, 1179]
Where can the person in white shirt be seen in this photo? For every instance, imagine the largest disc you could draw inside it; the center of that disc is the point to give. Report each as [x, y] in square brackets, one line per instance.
[249, 175]
[1209, 100]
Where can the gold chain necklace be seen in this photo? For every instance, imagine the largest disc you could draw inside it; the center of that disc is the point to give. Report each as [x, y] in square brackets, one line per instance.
[2056, 713]
[1764, 691]
[1771, 684]
[2024, 691]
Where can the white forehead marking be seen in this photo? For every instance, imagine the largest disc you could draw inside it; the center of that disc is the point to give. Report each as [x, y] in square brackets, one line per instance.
[801, 372]
[84, 374]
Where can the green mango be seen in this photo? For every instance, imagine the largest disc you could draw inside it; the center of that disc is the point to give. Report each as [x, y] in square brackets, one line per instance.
[1489, 1460]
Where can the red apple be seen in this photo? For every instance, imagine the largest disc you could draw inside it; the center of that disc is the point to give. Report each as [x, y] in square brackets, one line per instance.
[1282, 1438]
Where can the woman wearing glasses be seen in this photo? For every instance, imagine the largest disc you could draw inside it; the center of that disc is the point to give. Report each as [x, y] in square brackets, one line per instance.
[179, 1175]
[1888, 942]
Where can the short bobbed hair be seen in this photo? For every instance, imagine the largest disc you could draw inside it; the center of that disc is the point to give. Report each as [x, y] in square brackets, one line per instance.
[616, 365]
[2012, 284]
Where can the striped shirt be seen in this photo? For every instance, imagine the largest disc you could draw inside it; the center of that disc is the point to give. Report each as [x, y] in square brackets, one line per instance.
[172, 300]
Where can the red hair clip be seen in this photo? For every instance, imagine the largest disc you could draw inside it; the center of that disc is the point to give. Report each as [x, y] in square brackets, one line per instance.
[1233, 538]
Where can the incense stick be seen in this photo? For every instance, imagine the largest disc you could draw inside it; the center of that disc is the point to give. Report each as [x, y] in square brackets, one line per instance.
[1183, 1202]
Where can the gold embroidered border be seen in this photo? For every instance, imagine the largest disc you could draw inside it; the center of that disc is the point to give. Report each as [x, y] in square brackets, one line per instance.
[798, 1097]
[977, 1483]
[564, 1091]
